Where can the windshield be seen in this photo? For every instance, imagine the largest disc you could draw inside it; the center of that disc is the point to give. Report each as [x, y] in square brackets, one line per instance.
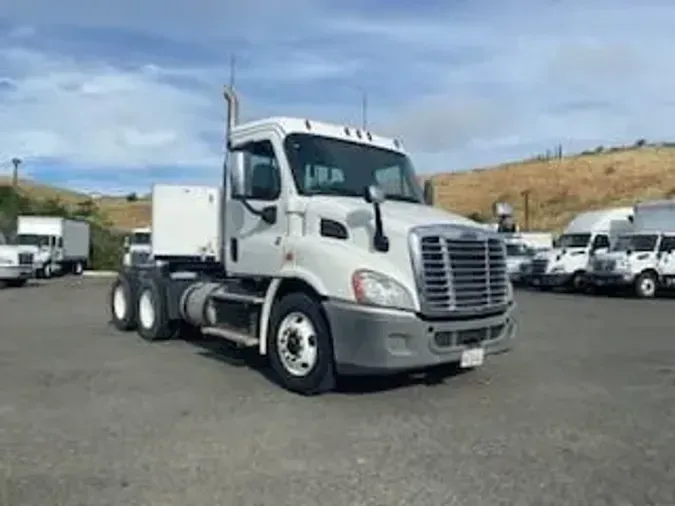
[325, 166]
[574, 240]
[33, 240]
[641, 242]
[140, 238]
[518, 250]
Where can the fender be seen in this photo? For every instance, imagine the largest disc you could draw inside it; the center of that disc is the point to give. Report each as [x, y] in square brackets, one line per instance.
[288, 272]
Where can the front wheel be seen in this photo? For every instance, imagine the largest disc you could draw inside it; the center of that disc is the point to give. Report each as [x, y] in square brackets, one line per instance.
[300, 345]
[578, 281]
[645, 285]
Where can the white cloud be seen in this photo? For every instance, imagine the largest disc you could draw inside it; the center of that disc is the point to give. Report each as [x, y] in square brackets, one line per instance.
[463, 84]
[99, 116]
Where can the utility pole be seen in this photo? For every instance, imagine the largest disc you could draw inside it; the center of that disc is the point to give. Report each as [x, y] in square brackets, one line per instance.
[526, 206]
[16, 162]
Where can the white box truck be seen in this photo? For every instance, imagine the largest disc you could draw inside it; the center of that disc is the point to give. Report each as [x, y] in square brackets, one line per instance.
[566, 265]
[137, 247]
[58, 245]
[644, 258]
[315, 265]
[16, 266]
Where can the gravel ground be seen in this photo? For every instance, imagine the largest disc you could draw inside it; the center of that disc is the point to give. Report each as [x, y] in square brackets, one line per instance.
[582, 411]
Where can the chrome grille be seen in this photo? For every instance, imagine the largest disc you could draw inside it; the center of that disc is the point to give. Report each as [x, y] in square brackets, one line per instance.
[25, 259]
[459, 269]
[139, 257]
[539, 266]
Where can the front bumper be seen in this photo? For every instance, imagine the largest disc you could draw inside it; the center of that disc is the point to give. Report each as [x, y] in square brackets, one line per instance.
[8, 272]
[375, 341]
[609, 279]
[553, 280]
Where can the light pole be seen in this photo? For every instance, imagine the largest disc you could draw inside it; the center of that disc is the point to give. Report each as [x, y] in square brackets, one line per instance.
[16, 162]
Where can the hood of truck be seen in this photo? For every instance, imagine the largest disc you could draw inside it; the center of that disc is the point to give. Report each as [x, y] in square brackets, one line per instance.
[358, 217]
[354, 212]
[9, 253]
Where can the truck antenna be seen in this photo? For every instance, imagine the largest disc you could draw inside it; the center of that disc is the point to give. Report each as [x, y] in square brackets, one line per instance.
[364, 110]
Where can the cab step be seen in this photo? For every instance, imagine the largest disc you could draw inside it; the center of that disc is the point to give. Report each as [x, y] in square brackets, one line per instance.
[231, 335]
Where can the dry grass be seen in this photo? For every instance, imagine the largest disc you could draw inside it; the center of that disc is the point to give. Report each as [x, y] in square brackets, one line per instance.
[559, 189]
[122, 214]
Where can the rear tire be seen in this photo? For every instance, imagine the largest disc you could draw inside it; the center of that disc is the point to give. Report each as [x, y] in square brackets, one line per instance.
[153, 315]
[300, 345]
[646, 285]
[122, 304]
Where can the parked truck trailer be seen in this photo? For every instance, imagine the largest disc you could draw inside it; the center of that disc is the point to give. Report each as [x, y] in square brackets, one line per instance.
[59, 245]
[322, 254]
[588, 234]
[644, 258]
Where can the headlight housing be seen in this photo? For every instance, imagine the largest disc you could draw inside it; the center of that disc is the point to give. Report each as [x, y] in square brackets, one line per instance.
[557, 269]
[376, 289]
[6, 261]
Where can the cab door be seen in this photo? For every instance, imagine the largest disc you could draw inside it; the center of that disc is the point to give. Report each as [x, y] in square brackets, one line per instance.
[255, 222]
[666, 260]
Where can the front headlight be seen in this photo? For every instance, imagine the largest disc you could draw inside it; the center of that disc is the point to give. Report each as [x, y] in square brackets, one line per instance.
[509, 291]
[558, 269]
[6, 261]
[378, 289]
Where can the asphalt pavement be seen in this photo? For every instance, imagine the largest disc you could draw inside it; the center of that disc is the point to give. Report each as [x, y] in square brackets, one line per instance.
[582, 411]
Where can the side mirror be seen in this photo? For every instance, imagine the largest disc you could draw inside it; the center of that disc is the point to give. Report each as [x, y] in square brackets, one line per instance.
[429, 192]
[237, 176]
[374, 194]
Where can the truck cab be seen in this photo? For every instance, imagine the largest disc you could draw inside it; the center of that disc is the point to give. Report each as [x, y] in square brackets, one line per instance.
[588, 234]
[137, 246]
[16, 266]
[45, 249]
[644, 258]
[331, 262]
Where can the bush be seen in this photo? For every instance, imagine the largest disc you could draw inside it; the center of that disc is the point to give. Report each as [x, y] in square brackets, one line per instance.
[106, 244]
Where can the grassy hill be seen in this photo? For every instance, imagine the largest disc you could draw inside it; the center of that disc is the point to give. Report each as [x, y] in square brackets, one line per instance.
[559, 188]
[120, 212]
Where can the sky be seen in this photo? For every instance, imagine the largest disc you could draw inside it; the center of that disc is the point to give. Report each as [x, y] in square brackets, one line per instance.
[114, 96]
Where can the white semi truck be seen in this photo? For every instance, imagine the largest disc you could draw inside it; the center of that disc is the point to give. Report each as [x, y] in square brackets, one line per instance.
[58, 245]
[137, 247]
[324, 258]
[644, 258]
[586, 235]
[16, 266]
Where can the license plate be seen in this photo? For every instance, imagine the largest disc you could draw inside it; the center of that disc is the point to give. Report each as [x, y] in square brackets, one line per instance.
[473, 357]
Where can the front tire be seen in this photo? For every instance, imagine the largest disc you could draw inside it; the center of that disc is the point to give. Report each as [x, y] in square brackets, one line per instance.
[300, 345]
[122, 305]
[645, 285]
[153, 315]
[578, 281]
